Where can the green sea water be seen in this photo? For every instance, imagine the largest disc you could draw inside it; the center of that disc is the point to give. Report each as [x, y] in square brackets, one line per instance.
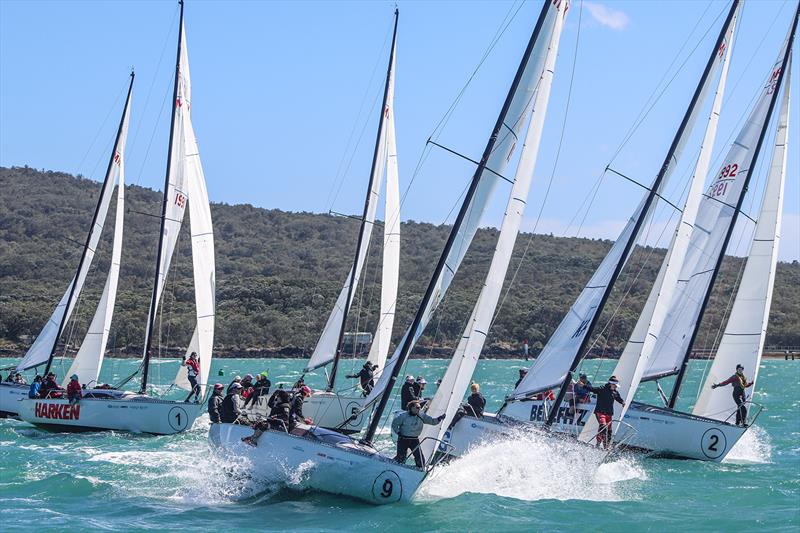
[123, 482]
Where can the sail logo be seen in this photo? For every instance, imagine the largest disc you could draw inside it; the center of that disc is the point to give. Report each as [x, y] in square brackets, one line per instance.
[57, 412]
[772, 84]
[180, 199]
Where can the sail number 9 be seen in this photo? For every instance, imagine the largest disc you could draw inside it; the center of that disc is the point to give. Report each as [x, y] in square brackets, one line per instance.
[387, 487]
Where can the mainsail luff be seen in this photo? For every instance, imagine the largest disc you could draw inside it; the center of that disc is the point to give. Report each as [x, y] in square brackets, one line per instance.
[426, 305]
[644, 213]
[372, 179]
[706, 297]
[632, 362]
[73, 293]
[465, 358]
[743, 339]
[151, 315]
[90, 356]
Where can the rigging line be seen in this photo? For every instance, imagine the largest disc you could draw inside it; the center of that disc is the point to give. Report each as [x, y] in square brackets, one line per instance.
[153, 134]
[552, 173]
[102, 124]
[167, 39]
[340, 173]
[645, 187]
[462, 156]
[648, 105]
[504, 24]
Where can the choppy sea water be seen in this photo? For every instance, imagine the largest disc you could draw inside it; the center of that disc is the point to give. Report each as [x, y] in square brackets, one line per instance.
[122, 482]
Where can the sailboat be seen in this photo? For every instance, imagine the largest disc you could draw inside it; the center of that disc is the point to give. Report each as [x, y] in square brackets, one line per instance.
[116, 409]
[689, 269]
[332, 408]
[43, 350]
[329, 458]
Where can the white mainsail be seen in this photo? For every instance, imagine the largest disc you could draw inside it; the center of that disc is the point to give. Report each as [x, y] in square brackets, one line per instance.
[390, 275]
[325, 350]
[90, 356]
[552, 365]
[743, 340]
[516, 114]
[459, 372]
[637, 351]
[708, 236]
[188, 166]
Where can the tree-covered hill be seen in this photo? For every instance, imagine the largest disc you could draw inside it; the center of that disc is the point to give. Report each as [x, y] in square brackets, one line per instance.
[278, 274]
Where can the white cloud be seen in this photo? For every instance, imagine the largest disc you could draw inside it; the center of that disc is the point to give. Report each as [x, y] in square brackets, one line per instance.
[606, 16]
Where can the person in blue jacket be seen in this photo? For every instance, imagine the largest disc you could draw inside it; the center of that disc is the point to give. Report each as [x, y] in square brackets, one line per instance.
[33, 391]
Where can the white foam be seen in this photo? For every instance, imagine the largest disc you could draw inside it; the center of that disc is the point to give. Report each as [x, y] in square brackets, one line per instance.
[534, 466]
[754, 447]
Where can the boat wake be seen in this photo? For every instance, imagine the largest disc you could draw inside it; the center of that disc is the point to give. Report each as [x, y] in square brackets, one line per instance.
[533, 466]
[755, 447]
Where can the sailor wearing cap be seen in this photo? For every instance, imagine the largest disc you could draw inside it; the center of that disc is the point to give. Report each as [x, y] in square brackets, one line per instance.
[408, 392]
[604, 410]
[408, 426]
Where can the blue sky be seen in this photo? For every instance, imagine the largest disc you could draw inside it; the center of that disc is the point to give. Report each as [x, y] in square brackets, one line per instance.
[282, 92]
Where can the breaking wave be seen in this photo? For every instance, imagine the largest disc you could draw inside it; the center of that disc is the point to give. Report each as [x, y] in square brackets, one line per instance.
[534, 466]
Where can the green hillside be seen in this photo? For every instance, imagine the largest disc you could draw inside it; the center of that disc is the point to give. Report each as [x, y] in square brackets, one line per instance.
[278, 274]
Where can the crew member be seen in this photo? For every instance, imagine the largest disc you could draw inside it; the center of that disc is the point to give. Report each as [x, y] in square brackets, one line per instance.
[19, 380]
[192, 372]
[604, 409]
[522, 374]
[296, 412]
[476, 401]
[740, 383]
[280, 405]
[50, 387]
[33, 392]
[419, 386]
[237, 380]
[365, 377]
[261, 388]
[214, 404]
[229, 410]
[581, 390]
[74, 392]
[408, 426]
[408, 392]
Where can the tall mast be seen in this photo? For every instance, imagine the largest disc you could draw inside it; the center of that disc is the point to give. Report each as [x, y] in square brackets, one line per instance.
[151, 317]
[91, 230]
[476, 178]
[350, 288]
[651, 196]
[673, 399]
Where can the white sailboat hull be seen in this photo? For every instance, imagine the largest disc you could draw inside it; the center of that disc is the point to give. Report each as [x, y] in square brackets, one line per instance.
[654, 430]
[329, 462]
[129, 412]
[10, 395]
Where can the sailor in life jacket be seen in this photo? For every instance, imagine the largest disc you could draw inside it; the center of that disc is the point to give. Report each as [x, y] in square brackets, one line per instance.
[192, 371]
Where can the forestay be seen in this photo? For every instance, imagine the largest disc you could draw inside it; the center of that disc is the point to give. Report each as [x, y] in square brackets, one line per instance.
[459, 372]
[186, 164]
[561, 351]
[488, 178]
[708, 237]
[90, 356]
[327, 345]
[637, 351]
[743, 340]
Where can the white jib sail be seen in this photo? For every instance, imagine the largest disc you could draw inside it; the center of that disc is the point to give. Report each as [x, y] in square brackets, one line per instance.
[552, 365]
[390, 274]
[325, 350]
[90, 356]
[497, 162]
[450, 392]
[708, 235]
[743, 340]
[634, 357]
[39, 352]
[187, 157]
